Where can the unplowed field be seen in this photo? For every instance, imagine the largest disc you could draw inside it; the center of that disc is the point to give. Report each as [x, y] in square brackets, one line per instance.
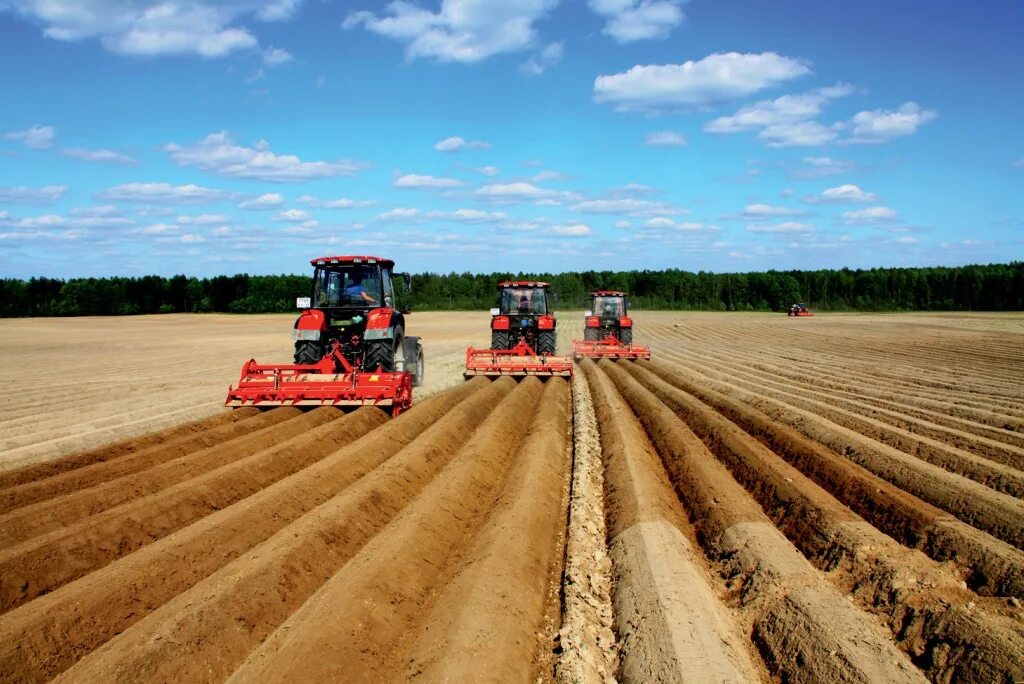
[836, 498]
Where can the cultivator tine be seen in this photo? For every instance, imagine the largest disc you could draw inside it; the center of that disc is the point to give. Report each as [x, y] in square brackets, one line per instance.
[609, 348]
[520, 361]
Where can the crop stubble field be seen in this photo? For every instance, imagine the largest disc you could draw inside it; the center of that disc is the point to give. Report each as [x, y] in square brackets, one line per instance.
[837, 498]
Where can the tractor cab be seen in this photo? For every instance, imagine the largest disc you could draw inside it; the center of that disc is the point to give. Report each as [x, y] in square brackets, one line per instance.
[608, 316]
[528, 299]
[522, 314]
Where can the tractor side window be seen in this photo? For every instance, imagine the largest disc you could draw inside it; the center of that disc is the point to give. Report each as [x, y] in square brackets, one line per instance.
[328, 288]
[388, 286]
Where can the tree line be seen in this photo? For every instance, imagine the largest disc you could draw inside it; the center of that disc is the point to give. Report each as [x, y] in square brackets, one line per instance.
[992, 287]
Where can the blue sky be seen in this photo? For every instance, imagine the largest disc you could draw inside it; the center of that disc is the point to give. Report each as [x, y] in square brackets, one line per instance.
[206, 137]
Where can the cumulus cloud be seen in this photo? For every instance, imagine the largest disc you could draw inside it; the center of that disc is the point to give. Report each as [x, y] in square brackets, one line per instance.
[797, 134]
[201, 219]
[464, 31]
[715, 79]
[632, 20]
[273, 57]
[760, 211]
[665, 139]
[207, 28]
[523, 192]
[20, 194]
[292, 215]
[164, 193]
[92, 222]
[421, 182]
[880, 125]
[784, 227]
[820, 167]
[37, 137]
[339, 203]
[218, 153]
[269, 200]
[788, 109]
[846, 193]
[102, 156]
[572, 230]
[468, 216]
[543, 60]
[663, 222]
[398, 214]
[870, 216]
[457, 143]
[489, 170]
[626, 206]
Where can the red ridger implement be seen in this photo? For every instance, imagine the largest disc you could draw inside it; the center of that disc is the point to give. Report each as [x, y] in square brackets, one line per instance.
[609, 348]
[519, 361]
[320, 385]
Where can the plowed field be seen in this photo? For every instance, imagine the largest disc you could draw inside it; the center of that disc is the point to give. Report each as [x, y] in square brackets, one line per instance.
[835, 498]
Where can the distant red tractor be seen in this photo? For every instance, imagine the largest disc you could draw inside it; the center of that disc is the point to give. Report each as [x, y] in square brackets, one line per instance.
[350, 344]
[608, 329]
[799, 310]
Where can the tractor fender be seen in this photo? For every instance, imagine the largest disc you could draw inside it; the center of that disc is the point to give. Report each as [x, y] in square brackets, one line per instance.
[546, 322]
[381, 324]
[309, 325]
[626, 322]
[500, 323]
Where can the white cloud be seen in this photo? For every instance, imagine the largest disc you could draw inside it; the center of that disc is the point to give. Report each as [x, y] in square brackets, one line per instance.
[572, 230]
[268, 200]
[870, 216]
[398, 214]
[101, 222]
[665, 139]
[201, 219]
[104, 156]
[879, 125]
[798, 134]
[662, 222]
[339, 203]
[787, 109]
[464, 31]
[468, 216]
[547, 176]
[489, 170]
[291, 215]
[164, 193]
[631, 190]
[847, 192]
[760, 211]
[820, 167]
[101, 210]
[37, 137]
[715, 79]
[273, 57]
[626, 206]
[784, 227]
[217, 152]
[420, 182]
[623, 224]
[543, 60]
[632, 20]
[457, 143]
[523, 192]
[20, 194]
[154, 27]
[910, 240]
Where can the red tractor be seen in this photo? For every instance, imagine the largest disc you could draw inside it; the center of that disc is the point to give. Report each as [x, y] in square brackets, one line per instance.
[350, 344]
[608, 329]
[799, 310]
[523, 337]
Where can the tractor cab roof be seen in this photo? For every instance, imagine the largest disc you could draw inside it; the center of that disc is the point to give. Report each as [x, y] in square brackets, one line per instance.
[523, 283]
[607, 293]
[349, 260]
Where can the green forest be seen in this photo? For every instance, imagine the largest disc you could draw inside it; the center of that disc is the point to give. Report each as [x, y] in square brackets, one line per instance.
[992, 287]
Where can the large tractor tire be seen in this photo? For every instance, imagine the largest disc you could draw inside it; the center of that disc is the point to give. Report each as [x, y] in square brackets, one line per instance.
[499, 339]
[307, 352]
[412, 362]
[384, 353]
[626, 335]
[546, 343]
[591, 334]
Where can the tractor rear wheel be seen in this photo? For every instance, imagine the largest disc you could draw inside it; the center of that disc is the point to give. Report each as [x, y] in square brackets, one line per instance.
[546, 343]
[382, 353]
[307, 352]
[626, 335]
[499, 339]
[591, 334]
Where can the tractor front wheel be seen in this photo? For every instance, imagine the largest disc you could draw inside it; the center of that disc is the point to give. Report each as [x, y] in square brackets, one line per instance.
[626, 335]
[307, 352]
[499, 339]
[381, 353]
[546, 343]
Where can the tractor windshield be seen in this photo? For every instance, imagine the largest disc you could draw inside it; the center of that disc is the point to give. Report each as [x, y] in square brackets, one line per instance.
[347, 286]
[609, 307]
[523, 300]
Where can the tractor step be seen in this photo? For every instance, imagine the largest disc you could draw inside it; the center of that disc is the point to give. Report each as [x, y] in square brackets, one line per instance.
[608, 348]
[519, 361]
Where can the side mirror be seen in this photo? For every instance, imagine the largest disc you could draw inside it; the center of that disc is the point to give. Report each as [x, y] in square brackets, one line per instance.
[495, 311]
[302, 303]
[406, 280]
